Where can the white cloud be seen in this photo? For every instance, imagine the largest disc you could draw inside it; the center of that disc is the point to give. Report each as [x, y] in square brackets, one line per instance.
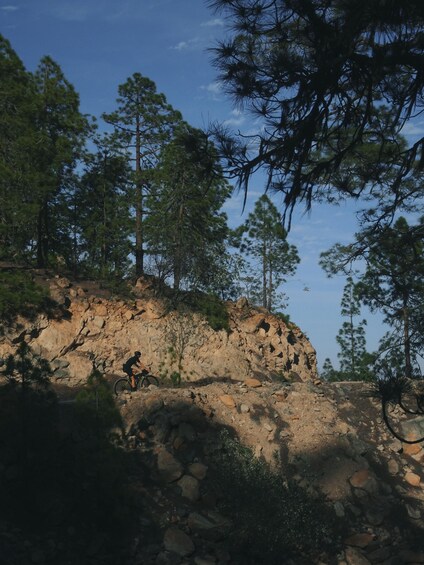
[237, 119]
[214, 89]
[189, 45]
[9, 8]
[213, 23]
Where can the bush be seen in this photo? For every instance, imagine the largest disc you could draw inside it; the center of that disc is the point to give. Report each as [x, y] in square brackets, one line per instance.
[272, 517]
[95, 405]
[284, 317]
[213, 309]
[71, 477]
[19, 294]
[175, 378]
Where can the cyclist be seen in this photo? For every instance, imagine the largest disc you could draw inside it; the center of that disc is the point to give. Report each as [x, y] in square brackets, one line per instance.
[130, 363]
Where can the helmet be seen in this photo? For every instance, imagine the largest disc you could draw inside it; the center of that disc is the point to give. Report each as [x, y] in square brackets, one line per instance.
[138, 353]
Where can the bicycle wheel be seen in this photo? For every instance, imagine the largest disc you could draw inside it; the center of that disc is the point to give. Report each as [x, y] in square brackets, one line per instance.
[122, 385]
[147, 380]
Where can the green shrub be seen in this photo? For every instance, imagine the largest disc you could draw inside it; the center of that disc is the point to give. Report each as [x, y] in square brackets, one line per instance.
[271, 516]
[118, 287]
[19, 294]
[95, 405]
[175, 378]
[213, 309]
[284, 317]
[26, 368]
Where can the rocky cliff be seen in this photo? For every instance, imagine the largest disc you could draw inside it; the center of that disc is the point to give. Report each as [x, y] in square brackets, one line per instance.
[327, 441]
[92, 323]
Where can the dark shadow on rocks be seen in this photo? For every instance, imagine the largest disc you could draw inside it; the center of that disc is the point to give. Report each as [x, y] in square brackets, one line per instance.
[108, 491]
[243, 506]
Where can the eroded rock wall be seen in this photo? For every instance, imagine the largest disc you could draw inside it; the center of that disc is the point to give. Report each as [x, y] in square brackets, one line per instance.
[257, 345]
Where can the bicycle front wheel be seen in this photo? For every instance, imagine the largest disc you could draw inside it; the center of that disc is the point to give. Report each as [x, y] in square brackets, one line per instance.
[147, 380]
[122, 385]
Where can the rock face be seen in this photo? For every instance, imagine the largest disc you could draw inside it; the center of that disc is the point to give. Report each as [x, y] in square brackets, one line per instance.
[258, 345]
[330, 440]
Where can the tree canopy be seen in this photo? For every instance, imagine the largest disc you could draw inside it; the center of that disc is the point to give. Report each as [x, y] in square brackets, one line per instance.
[90, 203]
[186, 229]
[263, 239]
[391, 282]
[323, 78]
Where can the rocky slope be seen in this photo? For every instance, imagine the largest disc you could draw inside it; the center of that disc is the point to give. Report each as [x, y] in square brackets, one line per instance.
[326, 438]
[329, 438]
[90, 323]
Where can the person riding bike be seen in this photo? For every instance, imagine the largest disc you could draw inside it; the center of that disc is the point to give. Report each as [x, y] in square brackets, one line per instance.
[130, 363]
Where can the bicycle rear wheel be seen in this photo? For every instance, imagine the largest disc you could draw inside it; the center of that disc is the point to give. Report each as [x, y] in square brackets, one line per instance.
[147, 380]
[122, 385]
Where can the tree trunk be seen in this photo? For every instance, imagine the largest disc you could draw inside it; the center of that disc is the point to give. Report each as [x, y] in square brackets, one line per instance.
[103, 242]
[42, 236]
[264, 270]
[270, 289]
[407, 341]
[139, 252]
[178, 256]
[352, 347]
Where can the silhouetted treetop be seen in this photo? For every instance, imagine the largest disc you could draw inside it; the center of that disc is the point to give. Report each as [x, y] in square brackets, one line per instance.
[323, 78]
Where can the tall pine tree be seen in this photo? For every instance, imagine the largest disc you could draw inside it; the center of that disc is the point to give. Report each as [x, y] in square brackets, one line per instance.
[393, 283]
[103, 222]
[144, 121]
[351, 337]
[60, 136]
[17, 143]
[187, 228]
[263, 238]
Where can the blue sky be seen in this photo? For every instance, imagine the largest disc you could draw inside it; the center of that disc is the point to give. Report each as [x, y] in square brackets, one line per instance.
[100, 43]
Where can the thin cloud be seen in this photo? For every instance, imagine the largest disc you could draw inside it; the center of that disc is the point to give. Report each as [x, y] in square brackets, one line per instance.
[214, 89]
[189, 45]
[213, 23]
[9, 8]
[237, 120]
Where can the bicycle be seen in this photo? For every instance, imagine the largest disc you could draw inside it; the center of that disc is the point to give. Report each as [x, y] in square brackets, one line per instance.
[142, 380]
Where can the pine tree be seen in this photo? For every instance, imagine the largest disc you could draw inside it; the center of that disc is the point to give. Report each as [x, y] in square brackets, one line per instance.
[393, 283]
[329, 373]
[17, 143]
[144, 121]
[263, 238]
[314, 75]
[186, 228]
[351, 337]
[102, 212]
[60, 137]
